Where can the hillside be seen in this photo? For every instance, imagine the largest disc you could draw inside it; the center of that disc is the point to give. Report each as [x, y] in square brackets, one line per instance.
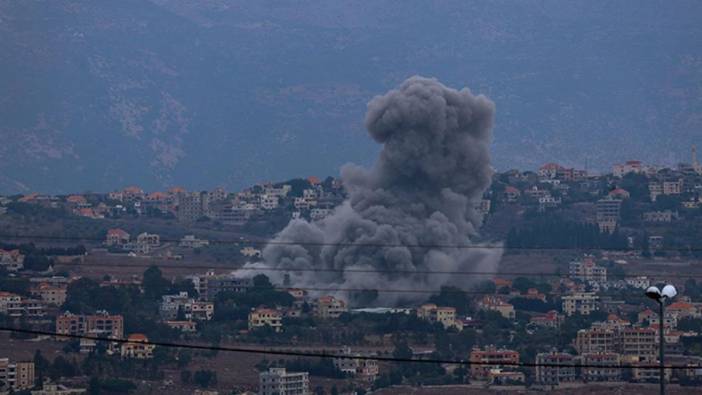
[97, 95]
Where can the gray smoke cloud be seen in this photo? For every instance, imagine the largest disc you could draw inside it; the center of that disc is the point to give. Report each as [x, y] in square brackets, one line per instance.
[433, 168]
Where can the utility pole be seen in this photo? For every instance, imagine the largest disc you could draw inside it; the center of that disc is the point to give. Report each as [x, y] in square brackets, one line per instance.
[660, 296]
[661, 355]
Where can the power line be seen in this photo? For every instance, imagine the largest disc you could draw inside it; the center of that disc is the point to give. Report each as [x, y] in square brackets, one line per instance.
[330, 355]
[364, 245]
[376, 271]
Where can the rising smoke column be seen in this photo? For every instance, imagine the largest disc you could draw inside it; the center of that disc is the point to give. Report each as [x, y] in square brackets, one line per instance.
[433, 167]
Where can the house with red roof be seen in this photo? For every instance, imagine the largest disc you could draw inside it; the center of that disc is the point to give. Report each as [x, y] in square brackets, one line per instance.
[512, 194]
[116, 237]
[137, 347]
[619, 193]
[683, 310]
[549, 170]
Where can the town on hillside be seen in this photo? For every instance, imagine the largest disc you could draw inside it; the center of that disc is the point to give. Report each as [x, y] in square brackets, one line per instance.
[101, 285]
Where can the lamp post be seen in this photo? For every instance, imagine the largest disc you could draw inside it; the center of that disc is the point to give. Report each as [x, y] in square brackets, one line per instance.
[668, 292]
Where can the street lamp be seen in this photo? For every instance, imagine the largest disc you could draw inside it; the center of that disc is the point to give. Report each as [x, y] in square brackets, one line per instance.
[660, 296]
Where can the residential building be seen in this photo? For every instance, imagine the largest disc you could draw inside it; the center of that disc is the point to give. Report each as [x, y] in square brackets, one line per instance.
[145, 242]
[641, 282]
[549, 170]
[262, 317]
[49, 294]
[183, 326]
[665, 216]
[357, 367]
[210, 284]
[278, 381]
[190, 241]
[596, 339]
[444, 315]
[655, 189]
[116, 237]
[16, 306]
[511, 194]
[587, 270]
[549, 320]
[554, 368]
[484, 360]
[191, 309]
[607, 213]
[505, 377]
[643, 374]
[268, 202]
[137, 347]
[12, 260]
[494, 303]
[639, 344]
[189, 207]
[10, 304]
[632, 166]
[250, 252]
[329, 307]
[99, 324]
[672, 187]
[681, 309]
[582, 302]
[16, 376]
[608, 369]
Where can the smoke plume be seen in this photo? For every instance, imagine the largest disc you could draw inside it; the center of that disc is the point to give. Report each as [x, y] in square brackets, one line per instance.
[433, 168]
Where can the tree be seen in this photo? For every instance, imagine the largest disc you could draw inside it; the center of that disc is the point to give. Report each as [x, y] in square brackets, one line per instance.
[453, 297]
[185, 376]
[205, 378]
[154, 284]
[402, 350]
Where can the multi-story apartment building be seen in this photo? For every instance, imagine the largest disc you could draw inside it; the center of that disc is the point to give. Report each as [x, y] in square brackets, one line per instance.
[259, 318]
[268, 202]
[493, 303]
[491, 358]
[357, 367]
[210, 284]
[587, 270]
[583, 303]
[596, 340]
[16, 306]
[10, 304]
[648, 374]
[49, 294]
[145, 242]
[672, 187]
[16, 376]
[99, 324]
[554, 368]
[607, 213]
[189, 207]
[444, 315]
[638, 344]
[278, 381]
[329, 307]
[608, 369]
[550, 319]
[189, 307]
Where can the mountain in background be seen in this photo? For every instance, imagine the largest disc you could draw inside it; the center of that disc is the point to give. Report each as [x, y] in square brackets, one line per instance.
[99, 95]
